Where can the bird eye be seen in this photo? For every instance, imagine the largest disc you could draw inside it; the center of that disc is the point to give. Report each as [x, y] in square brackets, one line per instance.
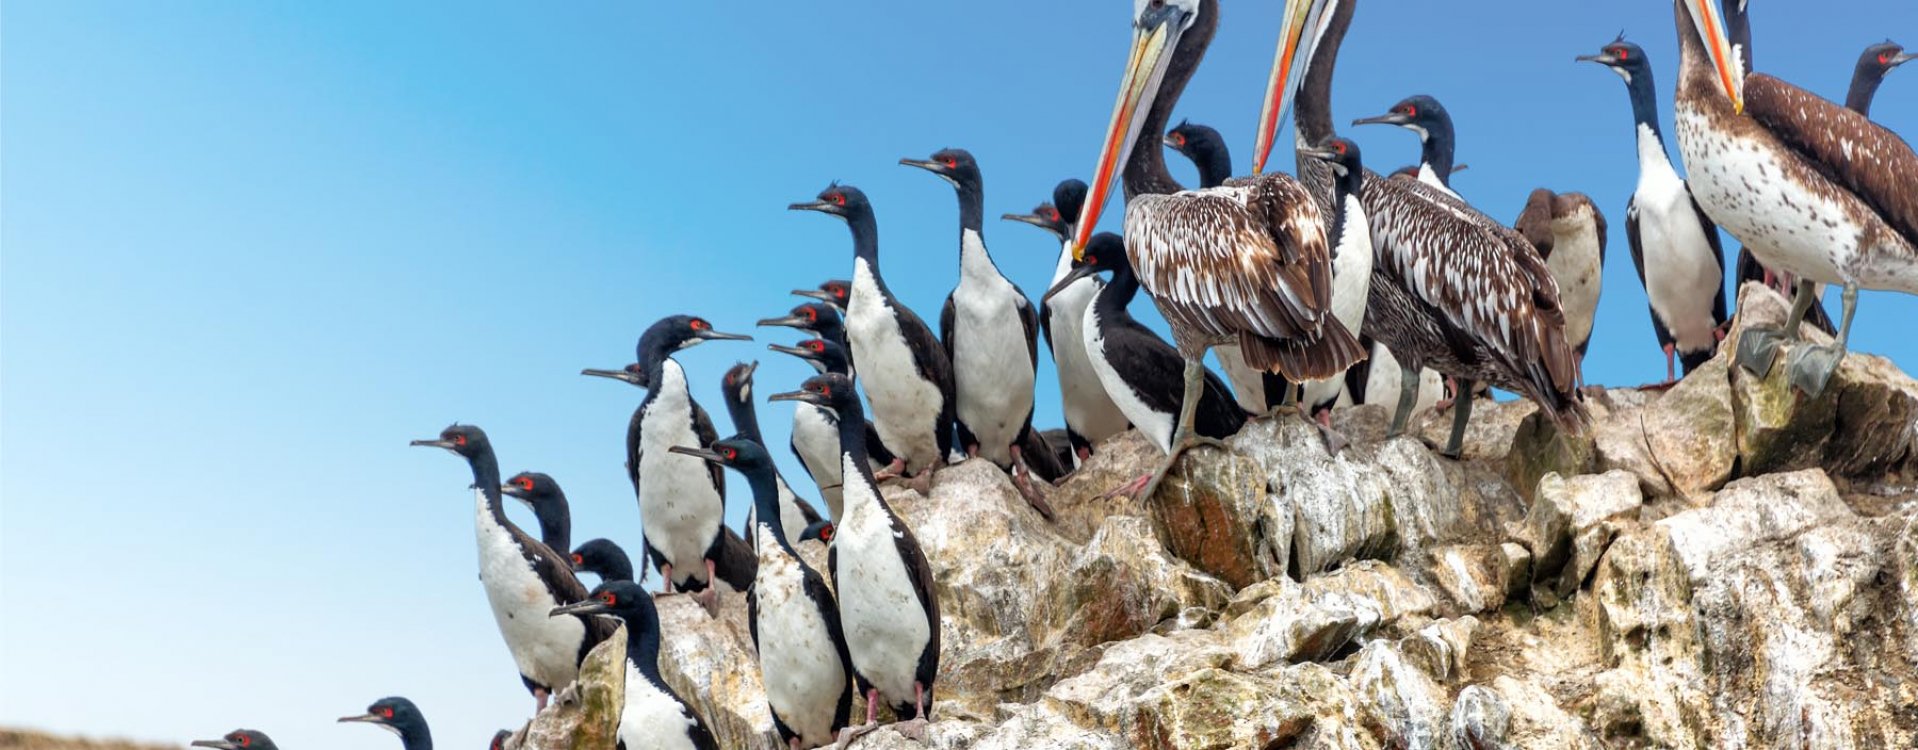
[1052, 214]
[608, 598]
[825, 533]
[1622, 53]
[952, 163]
[812, 315]
[817, 346]
[1884, 58]
[825, 390]
[459, 440]
[1411, 110]
[386, 712]
[526, 483]
[579, 560]
[246, 741]
[838, 199]
[698, 325]
[1340, 147]
[1178, 139]
[729, 453]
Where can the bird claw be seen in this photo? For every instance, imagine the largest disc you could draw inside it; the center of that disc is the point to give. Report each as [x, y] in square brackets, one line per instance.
[847, 735]
[922, 483]
[1129, 489]
[709, 599]
[914, 729]
[1023, 481]
[1758, 349]
[1810, 367]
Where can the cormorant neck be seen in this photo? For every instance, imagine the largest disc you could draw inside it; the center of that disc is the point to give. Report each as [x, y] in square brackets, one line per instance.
[415, 736]
[642, 642]
[486, 480]
[1118, 293]
[1215, 165]
[555, 523]
[1864, 86]
[852, 440]
[766, 513]
[745, 415]
[1436, 149]
[1645, 102]
[1145, 170]
[865, 235]
[972, 205]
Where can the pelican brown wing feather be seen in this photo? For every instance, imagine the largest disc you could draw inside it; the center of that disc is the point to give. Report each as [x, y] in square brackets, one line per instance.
[1846, 147]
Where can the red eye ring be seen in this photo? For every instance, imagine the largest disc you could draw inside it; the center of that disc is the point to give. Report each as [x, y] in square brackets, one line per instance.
[812, 315]
[608, 598]
[952, 163]
[1884, 58]
[1052, 214]
[729, 454]
[1411, 110]
[825, 534]
[698, 325]
[246, 740]
[459, 440]
[386, 712]
[1622, 53]
[526, 483]
[837, 198]
[816, 345]
[579, 560]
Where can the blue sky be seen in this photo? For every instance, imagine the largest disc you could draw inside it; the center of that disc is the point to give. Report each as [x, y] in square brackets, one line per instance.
[250, 249]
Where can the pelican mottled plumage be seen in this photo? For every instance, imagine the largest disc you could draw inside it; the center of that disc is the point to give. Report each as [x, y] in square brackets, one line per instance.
[1246, 262]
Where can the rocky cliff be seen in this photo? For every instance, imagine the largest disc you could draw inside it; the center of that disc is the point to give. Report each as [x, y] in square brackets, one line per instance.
[1720, 564]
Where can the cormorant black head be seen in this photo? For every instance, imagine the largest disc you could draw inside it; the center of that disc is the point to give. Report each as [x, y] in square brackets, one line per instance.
[735, 452]
[820, 530]
[1339, 152]
[1044, 216]
[737, 387]
[811, 317]
[603, 558]
[499, 739]
[464, 439]
[240, 739]
[1880, 58]
[954, 165]
[829, 390]
[1190, 139]
[675, 332]
[537, 490]
[844, 201]
[634, 373]
[400, 716]
[833, 292]
[1624, 58]
[1069, 196]
[824, 356]
[1104, 252]
[1420, 114]
[622, 599]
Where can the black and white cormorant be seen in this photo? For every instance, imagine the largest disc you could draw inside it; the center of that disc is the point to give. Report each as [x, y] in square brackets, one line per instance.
[821, 319]
[1244, 263]
[1138, 370]
[1873, 64]
[737, 388]
[1675, 246]
[1090, 415]
[240, 739]
[1424, 115]
[1569, 232]
[399, 716]
[1812, 189]
[682, 501]
[539, 492]
[888, 604]
[1256, 390]
[603, 558]
[1351, 241]
[815, 433]
[523, 578]
[991, 333]
[653, 716]
[905, 371]
[794, 619]
[835, 292]
[1452, 289]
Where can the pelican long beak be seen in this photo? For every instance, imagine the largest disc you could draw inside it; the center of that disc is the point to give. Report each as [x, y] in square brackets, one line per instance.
[1288, 69]
[1711, 30]
[1152, 47]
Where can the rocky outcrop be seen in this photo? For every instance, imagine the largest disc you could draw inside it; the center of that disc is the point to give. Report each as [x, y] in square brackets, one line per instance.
[1711, 565]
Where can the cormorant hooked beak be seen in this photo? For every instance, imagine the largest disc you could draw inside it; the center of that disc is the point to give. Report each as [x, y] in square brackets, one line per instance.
[1033, 219]
[822, 206]
[1603, 58]
[935, 167]
[614, 374]
[1900, 59]
[364, 719]
[1154, 38]
[1390, 118]
[587, 607]
[708, 334]
[433, 443]
[216, 744]
[1078, 272]
[1711, 31]
[790, 321]
[1288, 71]
[699, 453]
[818, 294]
[796, 351]
[802, 396]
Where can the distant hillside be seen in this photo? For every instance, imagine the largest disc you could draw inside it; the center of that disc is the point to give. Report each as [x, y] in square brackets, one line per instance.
[27, 739]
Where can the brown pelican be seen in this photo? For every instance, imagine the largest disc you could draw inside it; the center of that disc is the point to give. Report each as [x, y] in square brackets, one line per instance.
[1811, 188]
[1569, 232]
[1245, 263]
[1452, 289]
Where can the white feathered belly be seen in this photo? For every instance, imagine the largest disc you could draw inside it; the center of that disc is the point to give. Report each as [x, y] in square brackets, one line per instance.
[816, 439]
[885, 625]
[1575, 265]
[798, 662]
[1744, 189]
[1351, 289]
[544, 648]
[905, 406]
[679, 508]
[1248, 383]
[1682, 277]
[1088, 410]
[991, 369]
[652, 719]
[1155, 425]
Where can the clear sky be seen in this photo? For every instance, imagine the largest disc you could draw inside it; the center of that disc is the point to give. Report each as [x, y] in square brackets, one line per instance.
[250, 249]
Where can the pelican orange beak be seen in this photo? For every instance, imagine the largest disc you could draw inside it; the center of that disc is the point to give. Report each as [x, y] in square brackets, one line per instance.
[1288, 69]
[1154, 36]
[1711, 31]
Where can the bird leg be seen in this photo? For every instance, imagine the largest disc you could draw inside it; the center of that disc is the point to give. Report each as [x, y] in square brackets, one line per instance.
[847, 735]
[1758, 348]
[539, 698]
[1671, 362]
[1408, 398]
[893, 470]
[1183, 438]
[1084, 453]
[1810, 367]
[1461, 414]
[922, 482]
[916, 728]
[1022, 478]
[1334, 442]
[666, 579]
[710, 597]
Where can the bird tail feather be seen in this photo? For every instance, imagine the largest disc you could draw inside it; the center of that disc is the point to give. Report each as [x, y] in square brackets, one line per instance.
[1335, 350]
